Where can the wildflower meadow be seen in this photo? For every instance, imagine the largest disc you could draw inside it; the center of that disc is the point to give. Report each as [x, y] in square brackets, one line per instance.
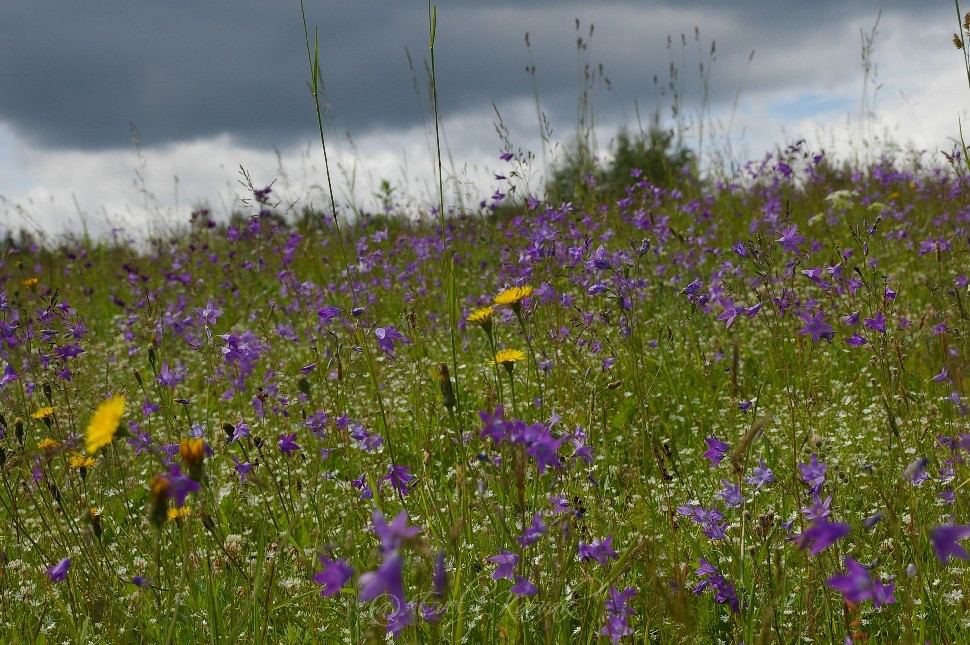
[686, 411]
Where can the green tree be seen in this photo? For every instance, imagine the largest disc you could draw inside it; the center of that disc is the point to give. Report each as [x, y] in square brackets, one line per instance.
[580, 178]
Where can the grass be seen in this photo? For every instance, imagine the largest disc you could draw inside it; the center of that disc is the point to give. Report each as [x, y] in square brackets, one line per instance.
[312, 448]
[619, 362]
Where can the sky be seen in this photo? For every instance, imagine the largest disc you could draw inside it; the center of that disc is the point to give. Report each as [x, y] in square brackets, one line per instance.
[127, 114]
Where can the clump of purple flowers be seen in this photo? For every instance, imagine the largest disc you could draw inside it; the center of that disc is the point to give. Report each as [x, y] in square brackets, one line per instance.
[387, 579]
[711, 578]
[618, 613]
[537, 438]
[710, 520]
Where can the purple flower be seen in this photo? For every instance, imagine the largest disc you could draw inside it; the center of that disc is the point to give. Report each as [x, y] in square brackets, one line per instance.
[9, 375]
[599, 259]
[872, 520]
[240, 431]
[692, 289]
[790, 239]
[439, 577]
[813, 473]
[618, 613]
[915, 472]
[816, 327]
[335, 575]
[600, 550]
[400, 478]
[711, 579]
[431, 612]
[139, 581]
[388, 336]
[317, 423]
[729, 313]
[242, 469]
[523, 587]
[855, 340]
[209, 314]
[856, 585]
[506, 561]
[328, 313]
[819, 510]
[559, 504]
[367, 441]
[394, 534]
[532, 533]
[544, 449]
[731, 494]
[170, 378]
[709, 520]
[179, 486]
[58, 572]
[493, 425]
[387, 580]
[852, 319]
[945, 541]
[876, 324]
[821, 535]
[942, 377]
[716, 450]
[761, 475]
[361, 484]
[287, 443]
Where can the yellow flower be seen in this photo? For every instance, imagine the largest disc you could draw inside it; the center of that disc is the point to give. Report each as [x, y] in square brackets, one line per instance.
[104, 423]
[178, 513]
[159, 488]
[513, 295]
[481, 316]
[48, 444]
[30, 283]
[508, 357]
[192, 450]
[78, 461]
[43, 413]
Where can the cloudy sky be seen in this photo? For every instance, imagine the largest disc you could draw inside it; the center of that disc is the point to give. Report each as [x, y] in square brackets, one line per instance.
[127, 113]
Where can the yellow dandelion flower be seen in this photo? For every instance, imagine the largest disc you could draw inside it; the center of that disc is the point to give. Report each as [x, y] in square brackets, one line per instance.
[47, 443]
[481, 316]
[508, 357]
[175, 514]
[78, 461]
[30, 283]
[159, 488]
[513, 295]
[192, 450]
[43, 413]
[104, 423]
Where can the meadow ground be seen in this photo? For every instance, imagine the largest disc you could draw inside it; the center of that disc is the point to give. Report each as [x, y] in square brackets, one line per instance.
[720, 413]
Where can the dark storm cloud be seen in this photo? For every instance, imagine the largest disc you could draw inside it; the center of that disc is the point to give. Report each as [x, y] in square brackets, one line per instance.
[73, 75]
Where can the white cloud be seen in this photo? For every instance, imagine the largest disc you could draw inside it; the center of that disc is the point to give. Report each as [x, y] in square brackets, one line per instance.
[923, 93]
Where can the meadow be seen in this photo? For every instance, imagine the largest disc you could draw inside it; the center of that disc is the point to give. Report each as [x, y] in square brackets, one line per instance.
[678, 410]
